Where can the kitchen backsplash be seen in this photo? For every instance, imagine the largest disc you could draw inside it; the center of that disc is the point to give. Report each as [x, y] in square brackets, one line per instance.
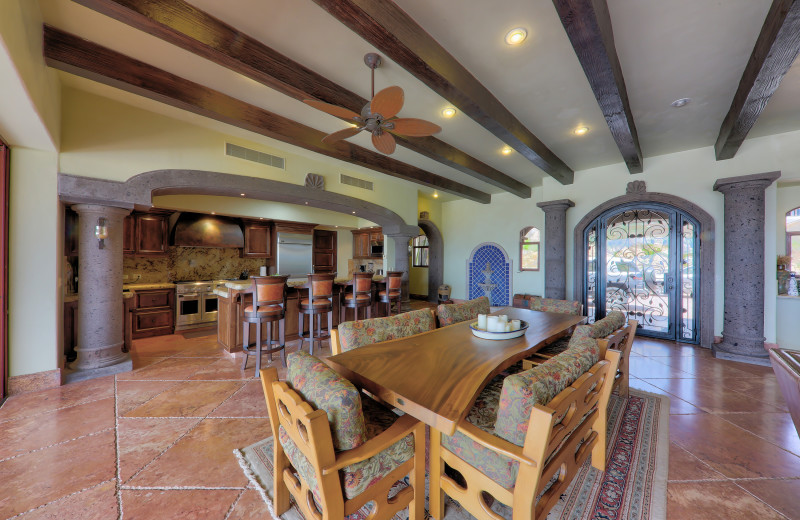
[189, 263]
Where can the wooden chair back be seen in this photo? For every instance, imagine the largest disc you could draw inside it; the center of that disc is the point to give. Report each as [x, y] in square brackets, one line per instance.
[786, 364]
[320, 286]
[268, 290]
[394, 280]
[622, 340]
[564, 444]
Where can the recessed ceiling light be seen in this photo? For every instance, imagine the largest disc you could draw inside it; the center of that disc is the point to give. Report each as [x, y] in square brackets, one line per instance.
[306, 203]
[448, 112]
[682, 102]
[516, 36]
[213, 212]
[242, 194]
[435, 195]
[354, 213]
[580, 130]
[506, 150]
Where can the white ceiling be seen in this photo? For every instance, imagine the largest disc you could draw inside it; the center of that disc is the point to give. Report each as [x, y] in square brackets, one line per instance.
[668, 50]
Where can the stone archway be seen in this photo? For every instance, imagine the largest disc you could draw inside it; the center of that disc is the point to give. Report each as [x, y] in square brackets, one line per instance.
[636, 194]
[435, 258]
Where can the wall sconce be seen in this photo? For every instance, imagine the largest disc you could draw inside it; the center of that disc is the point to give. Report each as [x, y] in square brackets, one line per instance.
[101, 232]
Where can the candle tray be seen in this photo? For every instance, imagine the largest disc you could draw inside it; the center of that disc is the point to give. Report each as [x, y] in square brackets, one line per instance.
[485, 334]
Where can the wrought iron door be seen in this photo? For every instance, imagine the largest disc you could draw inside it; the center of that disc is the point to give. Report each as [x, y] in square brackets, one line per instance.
[641, 260]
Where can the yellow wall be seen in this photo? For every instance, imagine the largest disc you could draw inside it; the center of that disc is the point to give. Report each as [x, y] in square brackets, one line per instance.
[34, 265]
[418, 276]
[689, 174]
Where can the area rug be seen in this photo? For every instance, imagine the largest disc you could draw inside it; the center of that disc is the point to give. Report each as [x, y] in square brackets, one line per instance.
[633, 487]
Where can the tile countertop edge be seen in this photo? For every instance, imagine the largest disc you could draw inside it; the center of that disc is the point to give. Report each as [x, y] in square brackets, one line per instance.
[145, 286]
[69, 298]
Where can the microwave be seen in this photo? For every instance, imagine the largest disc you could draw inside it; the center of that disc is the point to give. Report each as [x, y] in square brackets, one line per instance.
[376, 249]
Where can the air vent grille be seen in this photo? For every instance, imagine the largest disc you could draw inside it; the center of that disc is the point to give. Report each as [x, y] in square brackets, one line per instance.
[358, 183]
[254, 155]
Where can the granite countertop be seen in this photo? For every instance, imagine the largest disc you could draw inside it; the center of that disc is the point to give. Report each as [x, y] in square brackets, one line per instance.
[74, 297]
[222, 292]
[145, 286]
[245, 284]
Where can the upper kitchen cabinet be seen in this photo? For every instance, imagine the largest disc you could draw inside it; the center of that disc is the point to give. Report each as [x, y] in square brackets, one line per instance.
[368, 242]
[145, 234]
[257, 239]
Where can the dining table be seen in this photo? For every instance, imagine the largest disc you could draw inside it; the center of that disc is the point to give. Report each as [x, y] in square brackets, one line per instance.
[436, 376]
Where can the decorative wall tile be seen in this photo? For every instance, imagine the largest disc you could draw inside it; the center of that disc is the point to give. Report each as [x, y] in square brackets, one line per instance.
[489, 268]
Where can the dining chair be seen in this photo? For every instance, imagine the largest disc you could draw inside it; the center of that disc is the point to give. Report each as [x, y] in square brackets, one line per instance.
[319, 302]
[622, 340]
[526, 452]
[538, 303]
[336, 452]
[603, 328]
[354, 334]
[393, 291]
[359, 297]
[267, 295]
[457, 312]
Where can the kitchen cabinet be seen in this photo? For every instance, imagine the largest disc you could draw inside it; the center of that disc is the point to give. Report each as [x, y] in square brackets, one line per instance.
[324, 252]
[145, 234]
[153, 313]
[362, 238]
[257, 239]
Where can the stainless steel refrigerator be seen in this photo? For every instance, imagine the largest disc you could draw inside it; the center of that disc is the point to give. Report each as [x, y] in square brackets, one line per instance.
[294, 255]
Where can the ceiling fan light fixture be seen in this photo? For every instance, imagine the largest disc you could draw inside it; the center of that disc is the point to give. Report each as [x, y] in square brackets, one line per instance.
[581, 130]
[448, 112]
[516, 36]
[506, 150]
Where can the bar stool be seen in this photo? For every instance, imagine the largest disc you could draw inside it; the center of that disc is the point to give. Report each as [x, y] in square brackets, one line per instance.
[319, 302]
[359, 298]
[269, 305]
[394, 280]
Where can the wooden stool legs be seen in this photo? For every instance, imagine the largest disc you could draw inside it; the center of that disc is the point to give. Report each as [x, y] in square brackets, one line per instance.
[314, 321]
[257, 349]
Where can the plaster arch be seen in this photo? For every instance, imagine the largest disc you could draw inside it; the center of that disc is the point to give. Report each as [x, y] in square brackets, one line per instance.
[706, 221]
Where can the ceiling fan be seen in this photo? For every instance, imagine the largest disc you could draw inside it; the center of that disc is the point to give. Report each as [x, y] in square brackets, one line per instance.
[379, 116]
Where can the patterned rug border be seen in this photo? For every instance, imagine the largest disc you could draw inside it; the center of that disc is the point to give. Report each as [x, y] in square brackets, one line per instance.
[658, 510]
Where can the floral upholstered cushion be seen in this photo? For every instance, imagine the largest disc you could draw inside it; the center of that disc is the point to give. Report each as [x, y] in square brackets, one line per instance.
[539, 385]
[326, 390]
[354, 334]
[613, 321]
[359, 476]
[458, 312]
[553, 305]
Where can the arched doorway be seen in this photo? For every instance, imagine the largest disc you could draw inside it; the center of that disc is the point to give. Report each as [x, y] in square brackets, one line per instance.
[645, 272]
[642, 260]
[435, 258]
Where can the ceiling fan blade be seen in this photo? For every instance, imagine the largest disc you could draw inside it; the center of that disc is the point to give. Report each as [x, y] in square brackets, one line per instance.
[333, 110]
[414, 127]
[341, 134]
[383, 142]
[387, 102]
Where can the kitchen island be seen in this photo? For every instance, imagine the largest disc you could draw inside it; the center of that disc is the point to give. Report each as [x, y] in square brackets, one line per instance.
[229, 318]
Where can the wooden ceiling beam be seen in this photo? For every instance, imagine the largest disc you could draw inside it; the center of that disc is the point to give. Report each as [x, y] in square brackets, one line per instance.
[773, 54]
[383, 24]
[588, 26]
[196, 31]
[89, 60]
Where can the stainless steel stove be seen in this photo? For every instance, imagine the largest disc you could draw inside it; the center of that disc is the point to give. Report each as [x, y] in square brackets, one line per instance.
[196, 304]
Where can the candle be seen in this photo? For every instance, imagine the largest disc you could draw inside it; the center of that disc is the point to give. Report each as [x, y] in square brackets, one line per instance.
[493, 323]
[508, 327]
[503, 321]
[516, 325]
[482, 321]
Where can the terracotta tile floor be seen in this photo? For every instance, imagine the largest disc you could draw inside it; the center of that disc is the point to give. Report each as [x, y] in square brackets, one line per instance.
[156, 443]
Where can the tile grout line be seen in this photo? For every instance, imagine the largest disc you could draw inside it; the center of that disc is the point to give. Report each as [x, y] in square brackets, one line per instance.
[59, 499]
[118, 479]
[104, 430]
[172, 488]
[759, 500]
[233, 505]
[148, 400]
[53, 410]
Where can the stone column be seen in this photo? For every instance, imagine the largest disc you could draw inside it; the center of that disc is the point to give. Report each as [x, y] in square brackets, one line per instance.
[743, 326]
[401, 264]
[100, 316]
[555, 247]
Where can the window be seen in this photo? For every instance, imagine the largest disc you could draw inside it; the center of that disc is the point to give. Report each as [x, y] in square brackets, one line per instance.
[419, 251]
[529, 249]
[793, 238]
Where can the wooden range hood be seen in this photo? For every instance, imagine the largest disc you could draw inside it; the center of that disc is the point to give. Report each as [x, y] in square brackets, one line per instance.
[199, 230]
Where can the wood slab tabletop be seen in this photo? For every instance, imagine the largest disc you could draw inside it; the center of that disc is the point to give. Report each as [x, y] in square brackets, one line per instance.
[436, 376]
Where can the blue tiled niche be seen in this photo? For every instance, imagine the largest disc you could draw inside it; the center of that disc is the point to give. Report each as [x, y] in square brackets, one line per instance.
[500, 279]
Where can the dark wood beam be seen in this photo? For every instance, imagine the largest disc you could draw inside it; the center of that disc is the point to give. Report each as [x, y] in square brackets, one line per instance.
[181, 24]
[773, 54]
[83, 58]
[383, 24]
[588, 26]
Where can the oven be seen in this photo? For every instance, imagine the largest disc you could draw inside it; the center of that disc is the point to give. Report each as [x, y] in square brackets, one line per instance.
[196, 304]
